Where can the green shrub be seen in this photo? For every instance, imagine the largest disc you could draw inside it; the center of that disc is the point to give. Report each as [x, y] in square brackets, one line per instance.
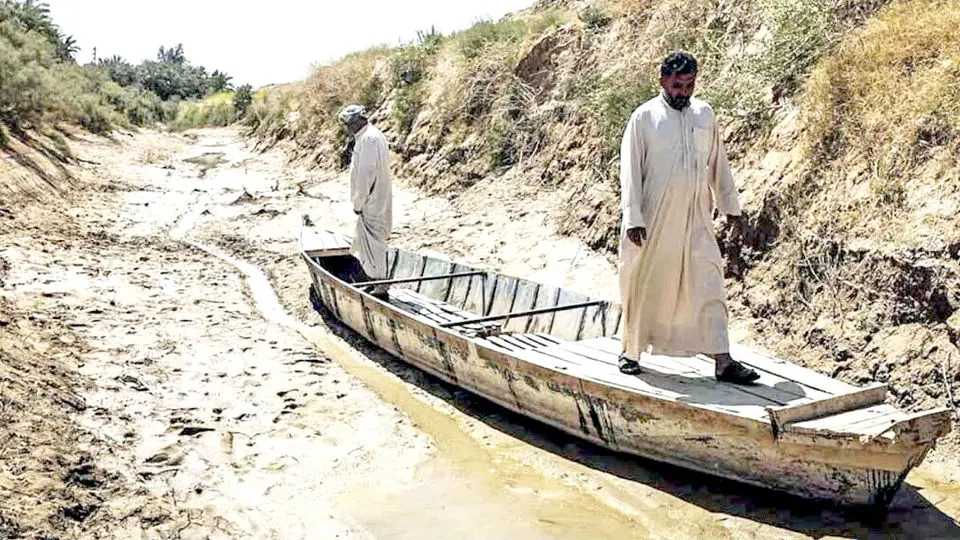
[595, 17]
[25, 78]
[474, 41]
[406, 106]
[613, 103]
[410, 64]
[242, 99]
[800, 32]
[216, 110]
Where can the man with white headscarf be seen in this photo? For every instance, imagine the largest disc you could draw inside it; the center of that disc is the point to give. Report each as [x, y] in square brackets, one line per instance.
[370, 194]
[673, 173]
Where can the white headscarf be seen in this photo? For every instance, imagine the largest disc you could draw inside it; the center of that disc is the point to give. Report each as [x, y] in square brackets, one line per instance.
[351, 113]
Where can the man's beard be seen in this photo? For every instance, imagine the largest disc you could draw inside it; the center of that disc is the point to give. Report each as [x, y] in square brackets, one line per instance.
[677, 102]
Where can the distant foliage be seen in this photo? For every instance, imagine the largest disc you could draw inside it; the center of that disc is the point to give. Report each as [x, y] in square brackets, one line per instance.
[888, 97]
[242, 99]
[474, 41]
[216, 110]
[119, 70]
[41, 84]
[171, 76]
[33, 16]
[220, 82]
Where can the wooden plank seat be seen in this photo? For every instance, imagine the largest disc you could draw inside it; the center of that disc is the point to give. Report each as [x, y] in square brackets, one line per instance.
[439, 312]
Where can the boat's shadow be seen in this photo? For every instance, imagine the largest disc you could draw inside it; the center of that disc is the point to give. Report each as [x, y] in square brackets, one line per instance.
[911, 515]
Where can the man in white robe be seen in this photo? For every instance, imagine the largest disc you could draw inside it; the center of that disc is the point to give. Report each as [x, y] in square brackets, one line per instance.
[371, 196]
[673, 173]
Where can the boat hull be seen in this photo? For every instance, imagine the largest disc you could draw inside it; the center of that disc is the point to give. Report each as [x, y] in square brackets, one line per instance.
[670, 431]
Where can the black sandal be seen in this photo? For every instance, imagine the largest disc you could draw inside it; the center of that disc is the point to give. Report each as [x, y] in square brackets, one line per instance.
[737, 373]
[628, 366]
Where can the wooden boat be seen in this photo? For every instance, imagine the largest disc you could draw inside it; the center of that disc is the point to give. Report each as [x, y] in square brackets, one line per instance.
[551, 354]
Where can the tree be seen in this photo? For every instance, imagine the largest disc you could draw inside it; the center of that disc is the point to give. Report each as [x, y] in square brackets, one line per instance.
[220, 82]
[119, 70]
[34, 16]
[173, 55]
[67, 48]
[242, 99]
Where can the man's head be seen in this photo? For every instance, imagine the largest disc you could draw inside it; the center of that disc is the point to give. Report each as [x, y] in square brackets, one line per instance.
[353, 117]
[678, 76]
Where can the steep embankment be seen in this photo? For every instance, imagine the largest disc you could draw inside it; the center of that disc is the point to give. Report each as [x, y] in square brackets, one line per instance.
[840, 117]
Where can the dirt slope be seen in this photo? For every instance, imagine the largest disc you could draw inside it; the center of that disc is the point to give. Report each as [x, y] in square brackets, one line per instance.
[840, 118]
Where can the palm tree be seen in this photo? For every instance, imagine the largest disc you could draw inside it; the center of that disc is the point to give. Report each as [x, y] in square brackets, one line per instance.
[67, 48]
[173, 55]
[220, 82]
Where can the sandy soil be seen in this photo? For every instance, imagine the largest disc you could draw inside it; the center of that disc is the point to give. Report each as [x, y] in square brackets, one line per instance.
[163, 376]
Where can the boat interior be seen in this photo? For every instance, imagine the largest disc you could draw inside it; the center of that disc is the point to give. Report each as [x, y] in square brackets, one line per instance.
[570, 332]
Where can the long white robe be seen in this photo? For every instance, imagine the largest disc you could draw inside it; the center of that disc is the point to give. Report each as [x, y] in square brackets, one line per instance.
[673, 171]
[372, 196]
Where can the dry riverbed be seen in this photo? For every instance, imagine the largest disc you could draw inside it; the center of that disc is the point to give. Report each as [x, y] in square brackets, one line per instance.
[164, 376]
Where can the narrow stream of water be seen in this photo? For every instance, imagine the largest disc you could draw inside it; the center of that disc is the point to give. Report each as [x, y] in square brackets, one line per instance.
[465, 492]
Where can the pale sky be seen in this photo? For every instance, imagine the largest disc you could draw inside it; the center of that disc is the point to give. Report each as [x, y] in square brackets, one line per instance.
[263, 42]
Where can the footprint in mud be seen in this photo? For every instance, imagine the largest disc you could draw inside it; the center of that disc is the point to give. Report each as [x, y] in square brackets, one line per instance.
[207, 161]
[169, 456]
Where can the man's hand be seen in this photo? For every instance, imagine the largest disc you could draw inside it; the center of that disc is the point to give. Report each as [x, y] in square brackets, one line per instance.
[637, 235]
[735, 228]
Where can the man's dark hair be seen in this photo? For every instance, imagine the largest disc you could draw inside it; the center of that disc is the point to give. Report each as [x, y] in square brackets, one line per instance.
[678, 63]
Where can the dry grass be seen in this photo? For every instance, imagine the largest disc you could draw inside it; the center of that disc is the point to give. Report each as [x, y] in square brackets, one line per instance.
[888, 96]
[216, 110]
[354, 79]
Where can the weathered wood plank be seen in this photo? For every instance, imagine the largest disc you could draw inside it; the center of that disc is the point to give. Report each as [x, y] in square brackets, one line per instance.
[435, 290]
[865, 397]
[548, 337]
[546, 298]
[530, 340]
[407, 265]
[525, 300]
[770, 386]
[668, 378]
[595, 322]
[513, 315]
[428, 277]
[923, 427]
[322, 243]
[851, 420]
[568, 323]
[504, 295]
[580, 348]
[460, 287]
[789, 371]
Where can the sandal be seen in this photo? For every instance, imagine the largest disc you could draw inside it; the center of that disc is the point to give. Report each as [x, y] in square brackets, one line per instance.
[737, 373]
[628, 366]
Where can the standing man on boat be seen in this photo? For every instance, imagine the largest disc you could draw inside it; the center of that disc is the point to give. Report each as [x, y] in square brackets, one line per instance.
[673, 172]
[371, 195]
